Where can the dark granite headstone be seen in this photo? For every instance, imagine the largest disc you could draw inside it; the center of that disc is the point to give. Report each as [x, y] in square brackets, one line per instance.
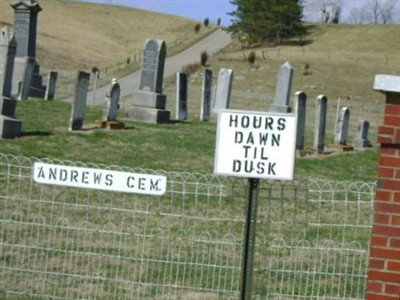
[10, 126]
[320, 123]
[181, 96]
[79, 105]
[205, 109]
[51, 86]
[113, 96]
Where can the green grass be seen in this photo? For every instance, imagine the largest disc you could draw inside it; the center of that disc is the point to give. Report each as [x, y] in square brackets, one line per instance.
[181, 146]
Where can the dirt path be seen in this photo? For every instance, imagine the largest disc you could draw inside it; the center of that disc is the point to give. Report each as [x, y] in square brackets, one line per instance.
[212, 44]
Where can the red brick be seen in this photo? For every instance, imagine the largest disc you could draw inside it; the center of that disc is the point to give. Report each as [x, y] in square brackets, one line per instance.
[387, 207]
[373, 296]
[384, 276]
[386, 230]
[391, 184]
[374, 286]
[384, 253]
[385, 140]
[390, 151]
[392, 109]
[396, 197]
[397, 137]
[378, 264]
[397, 174]
[394, 243]
[383, 195]
[382, 219]
[392, 289]
[395, 220]
[386, 130]
[386, 172]
[394, 266]
[379, 241]
[389, 161]
[391, 120]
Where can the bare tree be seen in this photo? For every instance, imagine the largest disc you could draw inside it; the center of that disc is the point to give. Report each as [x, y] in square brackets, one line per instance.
[378, 11]
[387, 11]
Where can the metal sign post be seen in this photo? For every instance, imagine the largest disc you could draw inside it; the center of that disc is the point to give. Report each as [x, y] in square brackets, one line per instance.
[249, 239]
[254, 145]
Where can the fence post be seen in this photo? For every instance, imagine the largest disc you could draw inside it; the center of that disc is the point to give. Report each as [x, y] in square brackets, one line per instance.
[384, 262]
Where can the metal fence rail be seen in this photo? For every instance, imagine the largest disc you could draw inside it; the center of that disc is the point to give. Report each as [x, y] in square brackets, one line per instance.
[64, 243]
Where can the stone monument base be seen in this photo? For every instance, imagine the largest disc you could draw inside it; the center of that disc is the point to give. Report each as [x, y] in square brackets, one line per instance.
[111, 124]
[361, 143]
[148, 115]
[150, 99]
[7, 106]
[9, 127]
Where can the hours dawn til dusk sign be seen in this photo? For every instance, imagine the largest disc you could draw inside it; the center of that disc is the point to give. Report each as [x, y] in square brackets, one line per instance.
[255, 144]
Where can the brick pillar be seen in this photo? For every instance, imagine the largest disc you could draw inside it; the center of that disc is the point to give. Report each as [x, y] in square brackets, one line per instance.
[384, 262]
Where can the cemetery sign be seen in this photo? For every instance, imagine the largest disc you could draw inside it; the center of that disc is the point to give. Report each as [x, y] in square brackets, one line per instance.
[98, 179]
[255, 144]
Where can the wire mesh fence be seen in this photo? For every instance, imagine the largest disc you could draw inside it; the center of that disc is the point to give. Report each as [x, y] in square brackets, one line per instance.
[312, 238]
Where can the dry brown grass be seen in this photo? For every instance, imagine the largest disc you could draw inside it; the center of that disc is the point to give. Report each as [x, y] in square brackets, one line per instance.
[74, 35]
[342, 60]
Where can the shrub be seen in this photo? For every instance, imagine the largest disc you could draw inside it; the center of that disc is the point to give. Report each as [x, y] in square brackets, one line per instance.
[203, 58]
[251, 57]
[191, 68]
[306, 69]
[197, 28]
[219, 22]
[206, 22]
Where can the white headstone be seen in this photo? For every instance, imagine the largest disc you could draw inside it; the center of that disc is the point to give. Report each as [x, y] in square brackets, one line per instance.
[224, 88]
[283, 89]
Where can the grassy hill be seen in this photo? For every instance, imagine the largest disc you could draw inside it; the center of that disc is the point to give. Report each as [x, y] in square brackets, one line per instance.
[74, 35]
[342, 61]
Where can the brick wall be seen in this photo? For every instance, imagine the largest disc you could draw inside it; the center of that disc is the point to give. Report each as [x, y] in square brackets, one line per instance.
[384, 263]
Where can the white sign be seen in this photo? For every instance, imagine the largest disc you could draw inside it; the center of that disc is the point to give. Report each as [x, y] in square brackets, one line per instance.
[99, 179]
[255, 145]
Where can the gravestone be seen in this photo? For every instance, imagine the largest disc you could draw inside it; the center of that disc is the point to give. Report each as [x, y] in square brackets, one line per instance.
[361, 139]
[25, 32]
[301, 109]
[283, 89]
[25, 85]
[51, 86]
[320, 123]
[79, 105]
[223, 90]
[342, 127]
[10, 126]
[7, 52]
[4, 44]
[113, 96]
[205, 109]
[149, 102]
[181, 96]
